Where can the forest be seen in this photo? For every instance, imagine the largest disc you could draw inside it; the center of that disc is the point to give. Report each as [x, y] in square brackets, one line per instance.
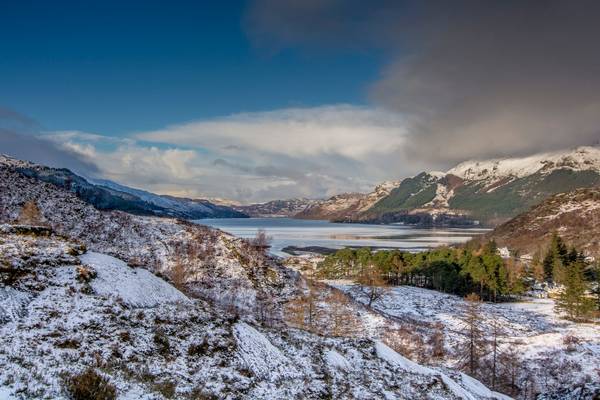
[476, 268]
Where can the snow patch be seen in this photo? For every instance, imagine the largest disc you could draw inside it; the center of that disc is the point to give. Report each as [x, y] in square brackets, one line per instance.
[135, 286]
[336, 361]
[12, 304]
[259, 355]
[389, 355]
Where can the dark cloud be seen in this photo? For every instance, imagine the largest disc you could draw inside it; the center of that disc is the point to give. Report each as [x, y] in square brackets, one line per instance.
[18, 140]
[473, 78]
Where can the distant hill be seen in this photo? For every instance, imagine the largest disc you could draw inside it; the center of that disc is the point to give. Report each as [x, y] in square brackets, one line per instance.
[276, 208]
[574, 215]
[107, 195]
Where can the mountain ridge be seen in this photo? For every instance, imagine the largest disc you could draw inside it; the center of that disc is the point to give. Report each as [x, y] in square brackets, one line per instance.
[108, 195]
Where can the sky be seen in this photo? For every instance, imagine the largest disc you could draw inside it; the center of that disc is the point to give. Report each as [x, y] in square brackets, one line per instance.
[269, 99]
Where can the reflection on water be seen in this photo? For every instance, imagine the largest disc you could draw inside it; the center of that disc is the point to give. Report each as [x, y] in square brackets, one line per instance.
[303, 233]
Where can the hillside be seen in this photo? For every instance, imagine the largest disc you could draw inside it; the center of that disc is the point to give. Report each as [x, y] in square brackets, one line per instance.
[574, 215]
[214, 260]
[489, 191]
[107, 195]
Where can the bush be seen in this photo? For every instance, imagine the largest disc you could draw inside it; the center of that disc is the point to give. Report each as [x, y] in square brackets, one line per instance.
[89, 385]
[85, 274]
[162, 343]
[198, 349]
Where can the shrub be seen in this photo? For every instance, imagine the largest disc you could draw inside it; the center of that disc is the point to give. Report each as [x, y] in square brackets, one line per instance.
[198, 349]
[89, 385]
[162, 342]
[167, 389]
[85, 274]
[125, 336]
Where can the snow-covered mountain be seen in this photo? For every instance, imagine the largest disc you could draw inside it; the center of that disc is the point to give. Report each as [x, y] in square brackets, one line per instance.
[585, 158]
[344, 206]
[474, 192]
[490, 191]
[108, 195]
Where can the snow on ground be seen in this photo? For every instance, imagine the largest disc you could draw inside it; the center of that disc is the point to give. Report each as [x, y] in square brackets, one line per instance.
[136, 287]
[260, 356]
[530, 327]
[163, 345]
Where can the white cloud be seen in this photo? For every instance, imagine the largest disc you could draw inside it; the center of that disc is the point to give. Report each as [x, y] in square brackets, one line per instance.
[308, 152]
[350, 131]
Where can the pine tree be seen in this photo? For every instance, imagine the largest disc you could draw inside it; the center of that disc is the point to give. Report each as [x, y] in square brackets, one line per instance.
[596, 290]
[573, 300]
[473, 347]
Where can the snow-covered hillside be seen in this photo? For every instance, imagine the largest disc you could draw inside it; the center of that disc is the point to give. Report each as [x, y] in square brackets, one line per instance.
[575, 215]
[107, 195]
[66, 311]
[554, 354]
[346, 205]
[584, 158]
[216, 264]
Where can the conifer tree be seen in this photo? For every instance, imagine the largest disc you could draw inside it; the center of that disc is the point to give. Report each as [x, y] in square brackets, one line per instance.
[573, 299]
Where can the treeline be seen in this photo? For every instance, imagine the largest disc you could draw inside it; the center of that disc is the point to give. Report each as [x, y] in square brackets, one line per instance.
[475, 268]
[452, 270]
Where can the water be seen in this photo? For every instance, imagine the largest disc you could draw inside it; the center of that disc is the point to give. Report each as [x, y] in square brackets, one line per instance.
[303, 233]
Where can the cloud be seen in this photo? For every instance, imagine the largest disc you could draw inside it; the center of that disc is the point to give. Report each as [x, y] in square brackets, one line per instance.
[472, 79]
[297, 152]
[18, 139]
[338, 129]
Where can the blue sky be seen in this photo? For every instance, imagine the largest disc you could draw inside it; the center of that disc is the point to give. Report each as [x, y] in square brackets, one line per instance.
[116, 67]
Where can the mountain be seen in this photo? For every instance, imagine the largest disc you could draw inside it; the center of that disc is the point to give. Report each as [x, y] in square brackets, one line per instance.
[491, 191]
[343, 206]
[107, 195]
[276, 208]
[574, 215]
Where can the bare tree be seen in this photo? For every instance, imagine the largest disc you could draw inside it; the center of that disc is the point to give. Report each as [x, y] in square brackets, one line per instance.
[404, 340]
[179, 275]
[266, 309]
[304, 311]
[372, 284]
[436, 341]
[342, 317]
[30, 214]
[496, 333]
[473, 347]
